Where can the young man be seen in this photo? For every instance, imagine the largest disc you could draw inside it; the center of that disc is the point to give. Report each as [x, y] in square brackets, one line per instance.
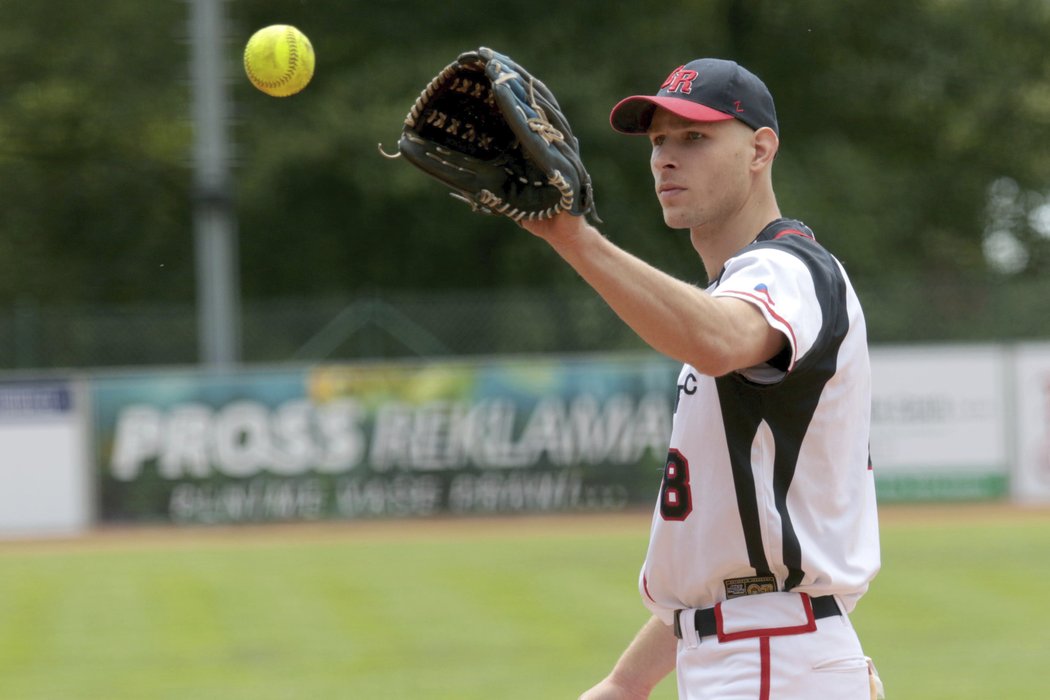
[765, 534]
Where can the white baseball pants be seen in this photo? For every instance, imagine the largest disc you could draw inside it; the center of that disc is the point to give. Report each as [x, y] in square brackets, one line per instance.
[769, 647]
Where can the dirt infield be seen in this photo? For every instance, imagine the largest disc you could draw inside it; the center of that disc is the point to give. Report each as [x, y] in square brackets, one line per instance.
[150, 536]
[955, 513]
[627, 522]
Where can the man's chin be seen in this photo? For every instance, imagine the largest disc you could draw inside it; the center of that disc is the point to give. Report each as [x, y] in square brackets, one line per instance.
[677, 223]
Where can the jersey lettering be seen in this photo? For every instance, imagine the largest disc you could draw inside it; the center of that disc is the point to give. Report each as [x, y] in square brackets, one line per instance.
[688, 387]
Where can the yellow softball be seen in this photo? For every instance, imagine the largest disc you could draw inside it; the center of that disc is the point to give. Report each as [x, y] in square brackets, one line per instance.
[279, 60]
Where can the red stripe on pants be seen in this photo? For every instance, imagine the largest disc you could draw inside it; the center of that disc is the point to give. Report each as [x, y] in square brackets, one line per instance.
[763, 692]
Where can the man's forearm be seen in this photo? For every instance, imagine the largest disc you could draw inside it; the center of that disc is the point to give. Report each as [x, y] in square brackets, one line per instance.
[677, 319]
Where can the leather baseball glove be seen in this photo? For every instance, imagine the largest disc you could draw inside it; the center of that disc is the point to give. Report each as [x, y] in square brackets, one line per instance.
[496, 136]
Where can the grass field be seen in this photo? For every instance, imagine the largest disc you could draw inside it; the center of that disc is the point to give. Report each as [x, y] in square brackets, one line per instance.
[517, 608]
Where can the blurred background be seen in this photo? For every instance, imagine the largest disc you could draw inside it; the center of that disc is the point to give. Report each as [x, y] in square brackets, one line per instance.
[913, 144]
[219, 307]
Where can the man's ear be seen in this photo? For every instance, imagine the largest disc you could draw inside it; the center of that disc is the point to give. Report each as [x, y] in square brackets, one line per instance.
[766, 146]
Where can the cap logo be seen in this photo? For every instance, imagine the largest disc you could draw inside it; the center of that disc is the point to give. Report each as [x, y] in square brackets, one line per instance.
[739, 107]
[680, 80]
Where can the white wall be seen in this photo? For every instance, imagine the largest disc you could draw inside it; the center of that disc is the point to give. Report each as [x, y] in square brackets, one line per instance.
[45, 485]
[1031, 421]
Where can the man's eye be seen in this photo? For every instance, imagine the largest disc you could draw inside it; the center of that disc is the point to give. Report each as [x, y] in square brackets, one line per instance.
[658, 140]
[694, 136]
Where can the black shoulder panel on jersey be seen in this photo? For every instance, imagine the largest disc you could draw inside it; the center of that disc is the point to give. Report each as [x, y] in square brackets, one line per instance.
[788, 406]
[796, 238]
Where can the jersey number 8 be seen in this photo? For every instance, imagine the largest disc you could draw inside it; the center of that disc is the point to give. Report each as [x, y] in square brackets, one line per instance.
[676, 500]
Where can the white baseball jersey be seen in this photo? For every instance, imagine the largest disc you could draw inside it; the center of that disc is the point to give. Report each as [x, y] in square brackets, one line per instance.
[768, 483]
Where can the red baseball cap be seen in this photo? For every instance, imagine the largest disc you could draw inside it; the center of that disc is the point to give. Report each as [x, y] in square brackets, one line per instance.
[706, 90]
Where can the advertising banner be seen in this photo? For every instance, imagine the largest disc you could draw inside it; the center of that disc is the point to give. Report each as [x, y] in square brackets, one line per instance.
[360, 441]
[938, 426]
[509, 436]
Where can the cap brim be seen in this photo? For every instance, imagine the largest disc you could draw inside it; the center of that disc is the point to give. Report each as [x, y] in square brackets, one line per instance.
[633, 115]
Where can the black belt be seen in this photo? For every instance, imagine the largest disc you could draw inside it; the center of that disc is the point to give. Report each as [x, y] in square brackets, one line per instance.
[823, 606]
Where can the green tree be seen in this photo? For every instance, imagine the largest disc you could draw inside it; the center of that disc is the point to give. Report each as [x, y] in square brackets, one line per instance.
[93, 145]
[912, 141]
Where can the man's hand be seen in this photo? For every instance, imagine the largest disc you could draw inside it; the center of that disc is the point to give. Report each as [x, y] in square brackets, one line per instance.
[559, 229]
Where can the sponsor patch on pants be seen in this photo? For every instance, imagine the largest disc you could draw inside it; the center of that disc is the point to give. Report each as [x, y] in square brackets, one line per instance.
[749, 585]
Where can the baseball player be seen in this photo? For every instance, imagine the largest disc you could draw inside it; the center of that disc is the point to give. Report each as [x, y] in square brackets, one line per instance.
[765, 533]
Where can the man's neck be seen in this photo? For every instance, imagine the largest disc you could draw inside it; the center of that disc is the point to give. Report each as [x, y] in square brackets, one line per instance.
[716, 245]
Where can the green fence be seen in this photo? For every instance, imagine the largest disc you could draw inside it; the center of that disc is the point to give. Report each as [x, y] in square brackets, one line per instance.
[470, 323]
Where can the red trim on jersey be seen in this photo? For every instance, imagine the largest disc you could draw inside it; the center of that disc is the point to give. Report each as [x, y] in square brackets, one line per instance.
[793, 232]
[645, 586]
[774, 314]
[763, 647]
[810, 626]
